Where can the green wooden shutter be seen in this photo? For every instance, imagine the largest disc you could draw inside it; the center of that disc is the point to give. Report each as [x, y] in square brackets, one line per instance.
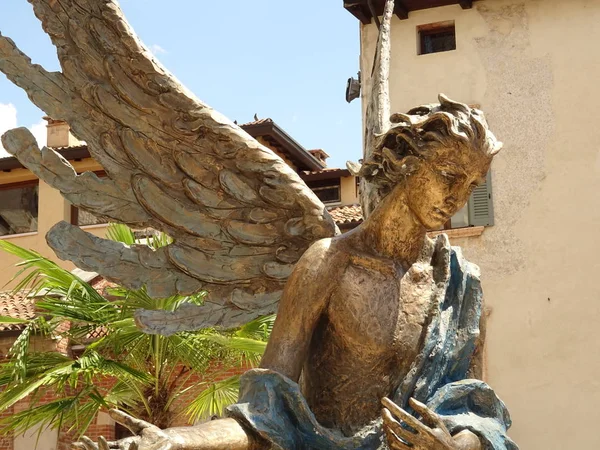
[481, 208]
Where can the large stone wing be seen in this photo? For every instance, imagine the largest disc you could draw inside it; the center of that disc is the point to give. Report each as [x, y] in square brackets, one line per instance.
[239, 216]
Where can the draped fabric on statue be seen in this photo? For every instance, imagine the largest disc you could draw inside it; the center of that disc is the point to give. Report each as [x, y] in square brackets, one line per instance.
[273, 406]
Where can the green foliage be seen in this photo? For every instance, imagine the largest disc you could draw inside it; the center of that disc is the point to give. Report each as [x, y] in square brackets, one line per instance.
[148, 373]
[212, 400]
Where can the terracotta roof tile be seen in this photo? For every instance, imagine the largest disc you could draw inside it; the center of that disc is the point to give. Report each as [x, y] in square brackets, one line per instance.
[257, 122]
[101, 285]
[345, 215]
[97, 333]
[20, 305]
[318, 151]
[326, 170]
[17, 305]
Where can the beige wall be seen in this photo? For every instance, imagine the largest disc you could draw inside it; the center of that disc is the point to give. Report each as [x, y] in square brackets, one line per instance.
[52, 209]
[348, 191]
[534, 67]
[34, 440]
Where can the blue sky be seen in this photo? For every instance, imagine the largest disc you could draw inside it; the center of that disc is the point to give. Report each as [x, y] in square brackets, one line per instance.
[270, 57]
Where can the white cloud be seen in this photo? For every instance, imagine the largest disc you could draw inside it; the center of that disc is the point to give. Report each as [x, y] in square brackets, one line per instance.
[158, 50]
[40, 132]
[8, 121]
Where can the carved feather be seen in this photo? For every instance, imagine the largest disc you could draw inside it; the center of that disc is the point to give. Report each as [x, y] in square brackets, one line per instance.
[239, 216]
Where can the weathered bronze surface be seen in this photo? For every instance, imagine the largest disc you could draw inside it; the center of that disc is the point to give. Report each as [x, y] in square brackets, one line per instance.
[379, 312]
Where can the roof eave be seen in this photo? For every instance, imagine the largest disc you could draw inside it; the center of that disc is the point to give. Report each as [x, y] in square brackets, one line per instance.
[297, 153]
[70, 154]
[325, 175]
[402, 8]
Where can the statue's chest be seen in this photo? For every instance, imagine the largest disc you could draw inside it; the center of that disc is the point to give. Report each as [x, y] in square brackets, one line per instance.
[381, 309]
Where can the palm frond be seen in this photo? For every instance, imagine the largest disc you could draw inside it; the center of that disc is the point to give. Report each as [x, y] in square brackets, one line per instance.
[120, 233]
[240, 344]
[159, 240]
[145, 367]
[6, 320]
[95, 364]
[259, 328]
[75, 412]
[213, 400]
[44, 274]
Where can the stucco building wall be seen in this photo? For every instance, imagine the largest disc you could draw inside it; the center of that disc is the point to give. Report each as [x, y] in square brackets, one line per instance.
[52, 209]
[348, 189]
[533, 67]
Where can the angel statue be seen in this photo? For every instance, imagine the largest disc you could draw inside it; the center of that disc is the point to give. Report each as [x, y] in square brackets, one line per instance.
[377, 336]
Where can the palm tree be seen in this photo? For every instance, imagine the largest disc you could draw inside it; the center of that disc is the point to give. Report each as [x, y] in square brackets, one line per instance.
[148, 376]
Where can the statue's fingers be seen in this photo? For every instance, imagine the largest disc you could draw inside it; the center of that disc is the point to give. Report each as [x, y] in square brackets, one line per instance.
[102, 444]
[133, 446]
[413, 439]
[77, 446]
[394, 442]
[122, 444]
[134, 425]
[397, 429]
[400, 414]
[430, 418]
[88, 443]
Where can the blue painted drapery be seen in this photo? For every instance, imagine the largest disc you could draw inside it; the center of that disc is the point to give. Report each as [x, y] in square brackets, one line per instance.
[274, 407]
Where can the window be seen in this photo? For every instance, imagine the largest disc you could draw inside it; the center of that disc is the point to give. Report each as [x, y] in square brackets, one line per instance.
[18, 208]
[437, 37]
[328, 191]
[82, 217]
[479, 210]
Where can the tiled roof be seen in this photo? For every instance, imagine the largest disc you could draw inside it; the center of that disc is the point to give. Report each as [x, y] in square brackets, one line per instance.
[326, 170]
[318, 151]
[346, 215]
[20, 305]
[257, 122]
[101, 285]
[69, 153]
[96, 333]
[324, 174]
[17, 305]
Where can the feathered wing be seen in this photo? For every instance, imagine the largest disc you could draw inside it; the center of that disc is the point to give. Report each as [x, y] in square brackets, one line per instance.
[239, 216]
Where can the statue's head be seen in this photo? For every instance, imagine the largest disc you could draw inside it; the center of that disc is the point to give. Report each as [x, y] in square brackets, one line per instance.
[437, 154]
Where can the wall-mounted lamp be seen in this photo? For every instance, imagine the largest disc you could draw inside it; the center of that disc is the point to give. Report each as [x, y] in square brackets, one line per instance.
[353, 88]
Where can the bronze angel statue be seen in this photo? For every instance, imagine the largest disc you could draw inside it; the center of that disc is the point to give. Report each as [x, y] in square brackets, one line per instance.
[377, 336]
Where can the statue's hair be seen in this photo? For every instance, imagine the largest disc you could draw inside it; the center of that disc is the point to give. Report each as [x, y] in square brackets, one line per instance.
[419, 135]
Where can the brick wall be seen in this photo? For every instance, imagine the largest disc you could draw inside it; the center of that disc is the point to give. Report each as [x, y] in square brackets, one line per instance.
[6, 442]
[103, 425]
[215, 373]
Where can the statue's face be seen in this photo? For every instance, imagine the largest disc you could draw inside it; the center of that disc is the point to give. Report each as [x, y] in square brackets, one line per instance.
[442, 185]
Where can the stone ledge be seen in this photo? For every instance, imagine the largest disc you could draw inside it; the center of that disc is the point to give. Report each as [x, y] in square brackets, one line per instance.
[8, 237]
[94, 226]
[459, 232]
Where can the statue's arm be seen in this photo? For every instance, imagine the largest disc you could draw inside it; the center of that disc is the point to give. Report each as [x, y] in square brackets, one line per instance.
[303, 302]
[223, 434]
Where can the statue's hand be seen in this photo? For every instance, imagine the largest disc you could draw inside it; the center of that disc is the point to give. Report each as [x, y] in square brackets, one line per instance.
[147, 436]
[428, 434]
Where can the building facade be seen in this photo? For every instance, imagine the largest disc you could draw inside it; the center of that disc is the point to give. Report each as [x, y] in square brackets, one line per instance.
[532, 66]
